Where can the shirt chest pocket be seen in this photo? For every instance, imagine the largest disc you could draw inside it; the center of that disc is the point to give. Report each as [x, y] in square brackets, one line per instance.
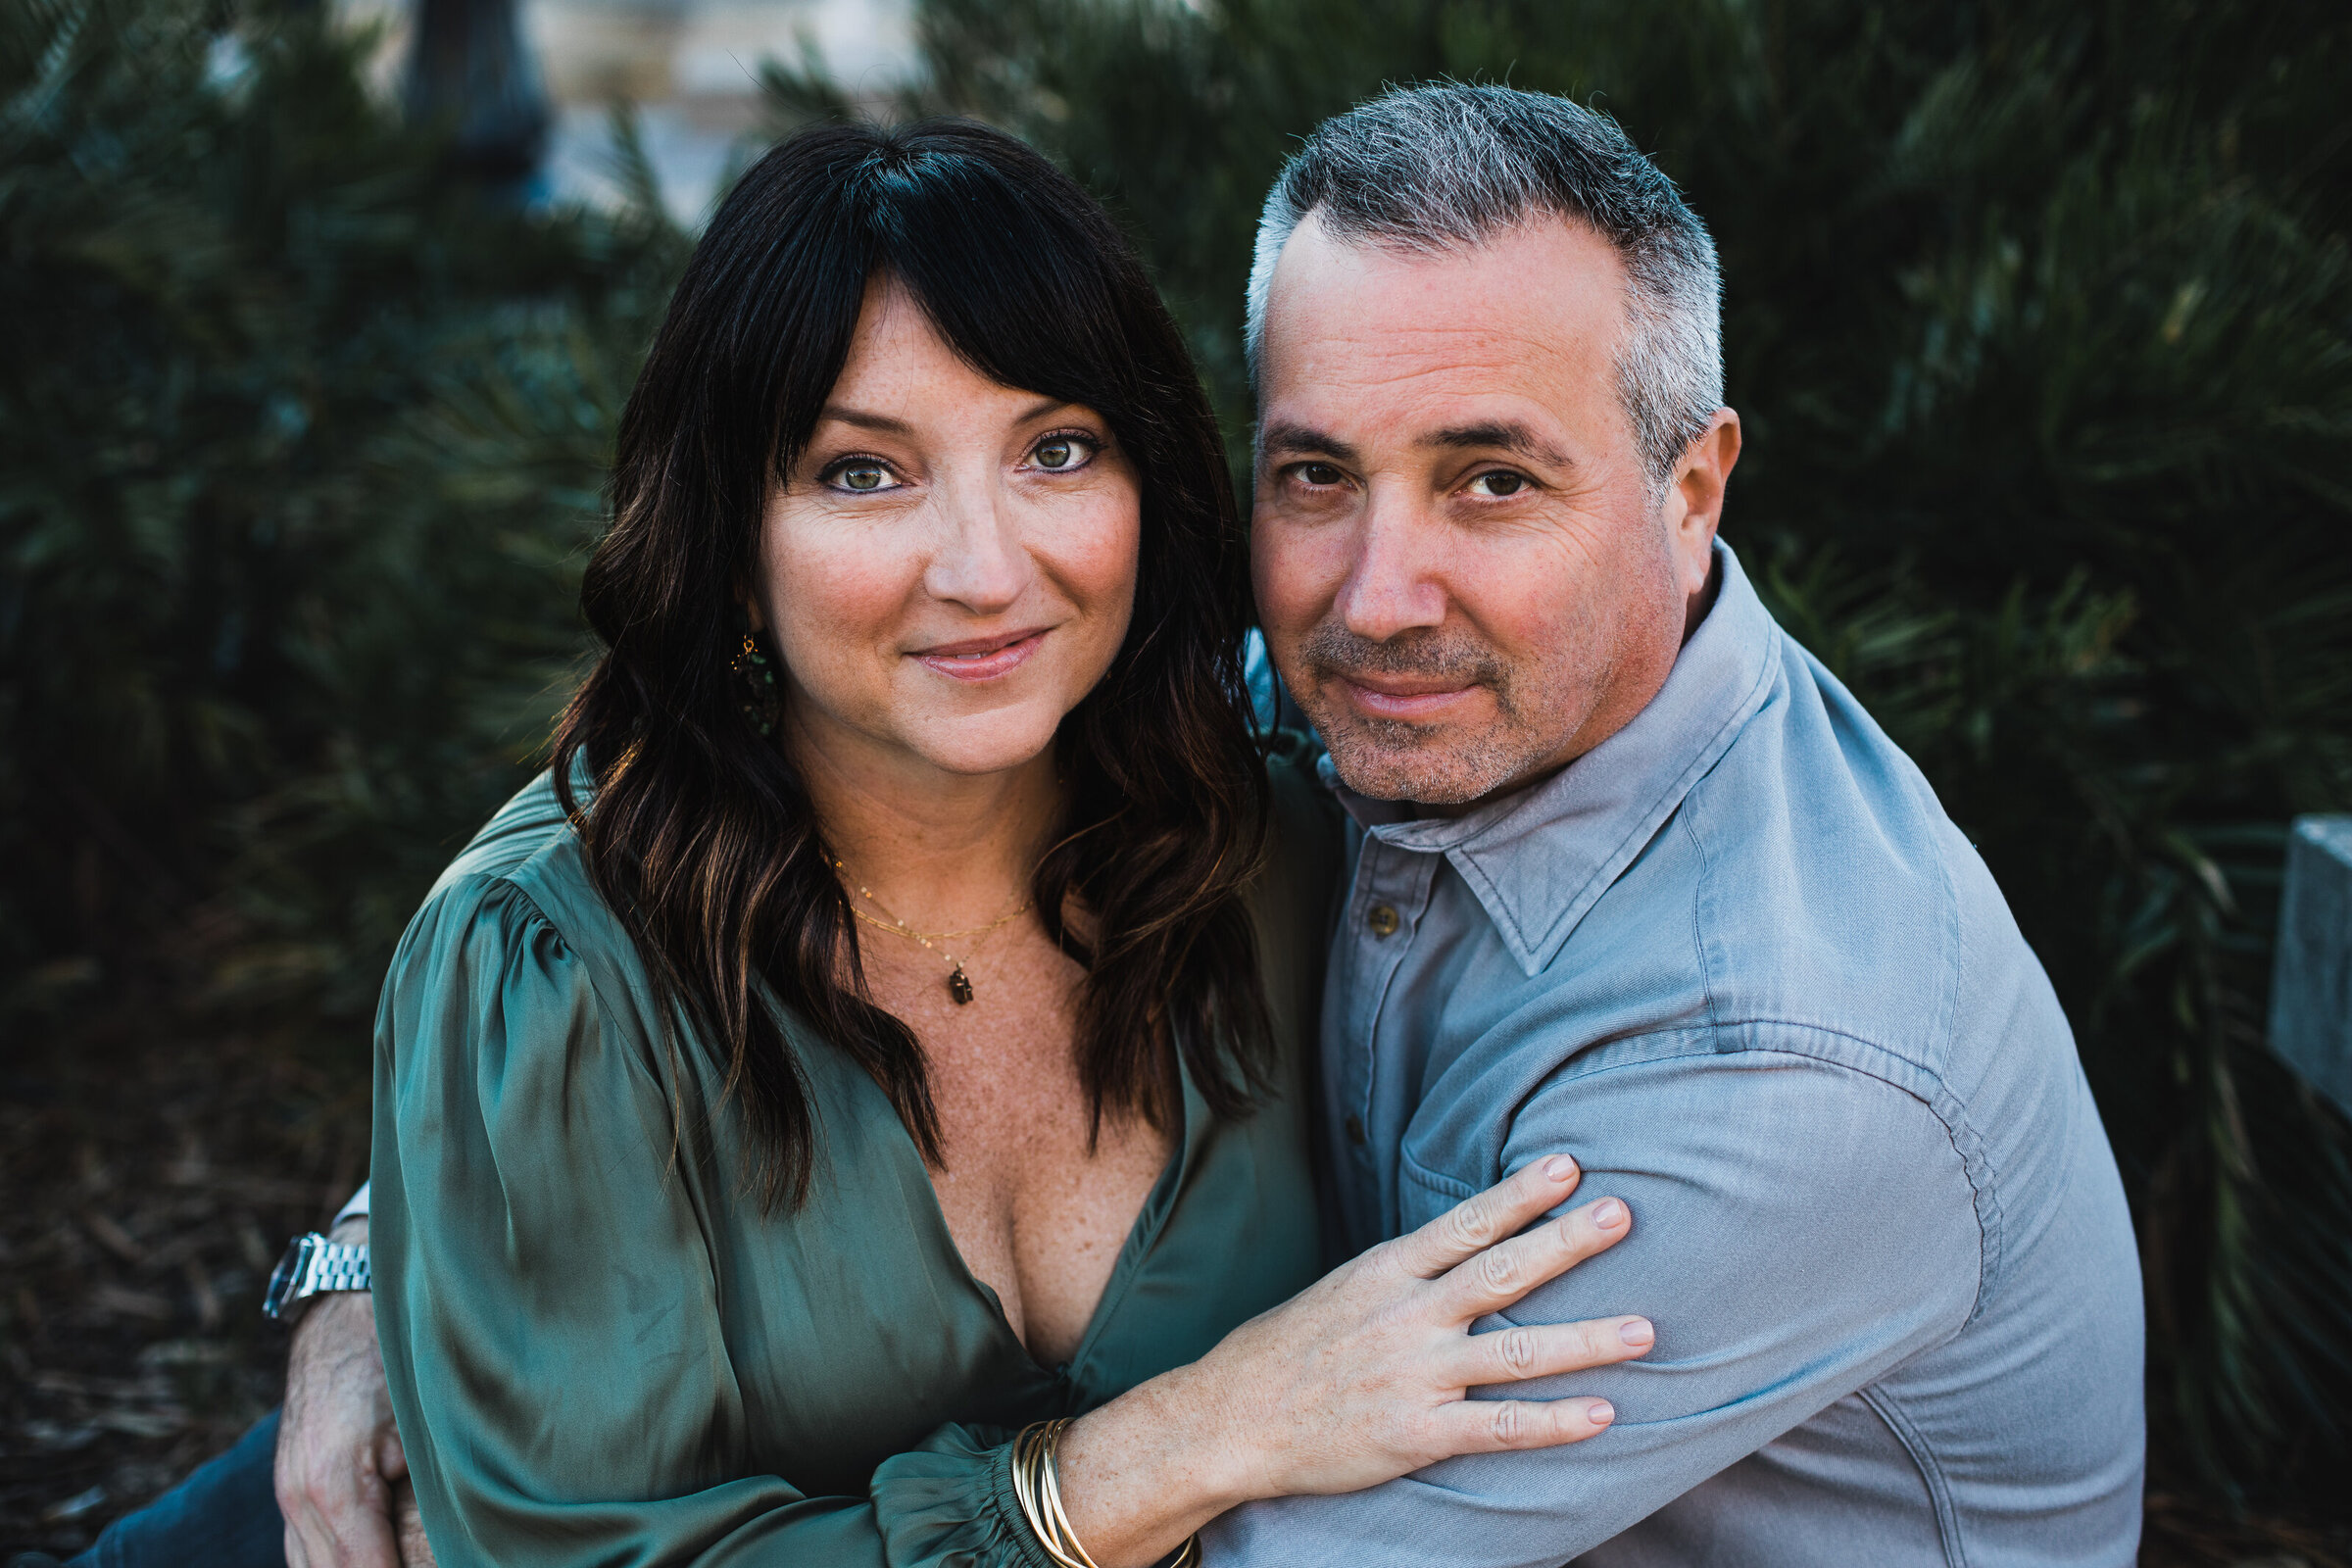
[1423, 1194]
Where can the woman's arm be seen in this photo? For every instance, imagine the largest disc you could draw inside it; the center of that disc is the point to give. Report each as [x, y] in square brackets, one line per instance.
[1154, 1465]
[1360, 1377]
[547, 1305]
[547, 1298]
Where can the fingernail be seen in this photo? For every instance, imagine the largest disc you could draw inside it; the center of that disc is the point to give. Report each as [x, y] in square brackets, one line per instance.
[1600, 1414]
[1637, 1332]
[1559, 1167]
[1608, 1214]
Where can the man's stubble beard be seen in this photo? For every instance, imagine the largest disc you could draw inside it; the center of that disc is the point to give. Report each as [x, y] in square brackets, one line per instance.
[1428, 765]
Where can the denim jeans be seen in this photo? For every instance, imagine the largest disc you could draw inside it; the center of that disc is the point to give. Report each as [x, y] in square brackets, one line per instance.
[223, 1515]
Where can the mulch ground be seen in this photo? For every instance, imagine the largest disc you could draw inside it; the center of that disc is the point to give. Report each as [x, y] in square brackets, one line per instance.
[149, 1178]
[151, 1172]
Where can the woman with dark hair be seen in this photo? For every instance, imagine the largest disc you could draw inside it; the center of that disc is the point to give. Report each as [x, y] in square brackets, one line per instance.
[879, 1040]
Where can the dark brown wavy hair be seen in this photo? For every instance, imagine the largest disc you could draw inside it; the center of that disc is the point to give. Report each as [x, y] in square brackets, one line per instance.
[700, 833]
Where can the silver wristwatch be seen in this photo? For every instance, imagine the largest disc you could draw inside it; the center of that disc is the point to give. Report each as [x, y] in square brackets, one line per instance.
[313, 1264]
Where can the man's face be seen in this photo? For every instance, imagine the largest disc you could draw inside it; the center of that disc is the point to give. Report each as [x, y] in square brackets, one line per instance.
[1465, 577]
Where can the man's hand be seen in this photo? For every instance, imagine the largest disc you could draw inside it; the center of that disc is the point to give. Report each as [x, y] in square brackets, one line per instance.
[338, 1453]
[415, 1550]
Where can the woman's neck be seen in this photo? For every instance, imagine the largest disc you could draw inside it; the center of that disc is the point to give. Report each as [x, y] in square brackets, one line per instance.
[939, 850]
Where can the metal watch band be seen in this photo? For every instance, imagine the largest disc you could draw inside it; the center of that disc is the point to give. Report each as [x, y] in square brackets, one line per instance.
[313, 1264]
[335, 1267]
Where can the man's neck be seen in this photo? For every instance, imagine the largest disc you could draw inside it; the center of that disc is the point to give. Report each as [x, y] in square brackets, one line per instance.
[1696, 609]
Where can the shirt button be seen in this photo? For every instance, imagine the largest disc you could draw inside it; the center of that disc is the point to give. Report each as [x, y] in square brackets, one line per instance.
[1382, 918]
[1355, 1130]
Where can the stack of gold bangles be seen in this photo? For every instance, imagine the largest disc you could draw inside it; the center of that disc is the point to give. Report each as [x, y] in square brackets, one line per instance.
[1037, 1487]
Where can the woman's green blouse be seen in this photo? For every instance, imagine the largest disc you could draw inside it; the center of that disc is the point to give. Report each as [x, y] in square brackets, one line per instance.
[600, 1352]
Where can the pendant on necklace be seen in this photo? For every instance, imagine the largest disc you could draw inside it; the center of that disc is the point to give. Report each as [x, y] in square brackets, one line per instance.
[959, 986]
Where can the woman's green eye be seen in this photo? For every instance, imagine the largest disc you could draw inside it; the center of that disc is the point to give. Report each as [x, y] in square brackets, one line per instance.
[1059, 452]
[864, 476]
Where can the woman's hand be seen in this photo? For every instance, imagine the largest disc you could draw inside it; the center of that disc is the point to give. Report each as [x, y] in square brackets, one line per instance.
[1363, 1377]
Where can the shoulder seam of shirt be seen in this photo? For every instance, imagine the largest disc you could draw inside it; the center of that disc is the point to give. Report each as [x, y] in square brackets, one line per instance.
[1948, 1003]
[1965, 1140]
[485, 885]
[609, 1016]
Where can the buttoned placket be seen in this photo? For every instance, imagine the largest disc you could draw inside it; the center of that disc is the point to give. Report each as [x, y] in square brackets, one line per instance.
[1384, 911]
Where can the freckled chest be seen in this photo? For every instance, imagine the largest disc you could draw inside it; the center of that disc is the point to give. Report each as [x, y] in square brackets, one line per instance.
[1038, 1217]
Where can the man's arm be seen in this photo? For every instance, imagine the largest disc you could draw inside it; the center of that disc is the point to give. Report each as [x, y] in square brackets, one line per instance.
[339, 1458]
[1801, 1228]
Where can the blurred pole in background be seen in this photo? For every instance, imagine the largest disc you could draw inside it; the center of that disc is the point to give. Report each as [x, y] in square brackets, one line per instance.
[2311, 992]
[469, 70]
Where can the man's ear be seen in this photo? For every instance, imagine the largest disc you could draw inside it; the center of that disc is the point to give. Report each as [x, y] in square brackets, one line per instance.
[1694, 501]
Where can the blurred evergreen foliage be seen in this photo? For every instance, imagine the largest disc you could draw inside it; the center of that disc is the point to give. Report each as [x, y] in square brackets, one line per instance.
[299, 442]
[2039, 318]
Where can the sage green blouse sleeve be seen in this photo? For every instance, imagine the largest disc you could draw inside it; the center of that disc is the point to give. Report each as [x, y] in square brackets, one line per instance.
[547, 1294]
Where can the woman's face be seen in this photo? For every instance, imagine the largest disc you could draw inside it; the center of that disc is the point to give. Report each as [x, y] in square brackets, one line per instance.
[950, 566]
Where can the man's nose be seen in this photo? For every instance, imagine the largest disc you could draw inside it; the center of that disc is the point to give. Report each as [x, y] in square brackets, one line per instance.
[981, 562]
[1393, 583]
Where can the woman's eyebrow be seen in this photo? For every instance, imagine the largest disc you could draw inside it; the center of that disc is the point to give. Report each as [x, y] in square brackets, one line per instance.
[863, 420]
[889, 425]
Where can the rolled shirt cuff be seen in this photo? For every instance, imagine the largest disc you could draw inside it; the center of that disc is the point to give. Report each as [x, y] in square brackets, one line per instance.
[355, 1209]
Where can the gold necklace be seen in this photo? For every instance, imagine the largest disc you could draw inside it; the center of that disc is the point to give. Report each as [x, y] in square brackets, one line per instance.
[959, 984]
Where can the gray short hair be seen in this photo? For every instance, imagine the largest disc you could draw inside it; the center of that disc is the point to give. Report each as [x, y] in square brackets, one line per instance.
[1446, 166]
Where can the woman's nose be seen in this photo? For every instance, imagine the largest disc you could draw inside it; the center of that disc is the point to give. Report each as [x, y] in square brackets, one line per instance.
[980, 564]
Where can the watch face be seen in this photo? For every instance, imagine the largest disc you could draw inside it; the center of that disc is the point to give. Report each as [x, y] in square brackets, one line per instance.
[289, 1275]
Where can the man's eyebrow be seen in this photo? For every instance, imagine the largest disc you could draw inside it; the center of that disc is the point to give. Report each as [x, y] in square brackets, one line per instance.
[1509, 435]
[1294, 439]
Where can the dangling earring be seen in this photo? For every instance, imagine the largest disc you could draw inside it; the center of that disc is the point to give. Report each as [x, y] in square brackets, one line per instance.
[759, 678]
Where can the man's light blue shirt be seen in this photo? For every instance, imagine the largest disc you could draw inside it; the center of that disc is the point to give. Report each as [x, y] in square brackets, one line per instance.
[1739, 963]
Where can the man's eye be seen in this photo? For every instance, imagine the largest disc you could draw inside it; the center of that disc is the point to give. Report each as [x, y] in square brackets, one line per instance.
[1059, 454]
[1319, 474]
[1501, 483]
[863, 477]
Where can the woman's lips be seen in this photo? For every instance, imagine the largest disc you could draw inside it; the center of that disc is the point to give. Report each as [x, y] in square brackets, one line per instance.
[985, 657]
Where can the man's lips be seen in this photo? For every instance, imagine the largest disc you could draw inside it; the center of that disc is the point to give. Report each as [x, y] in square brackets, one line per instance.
[984, 657]
[1408, 697]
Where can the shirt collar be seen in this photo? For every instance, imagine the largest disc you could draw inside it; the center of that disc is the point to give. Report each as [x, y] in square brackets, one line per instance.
[1538, 860]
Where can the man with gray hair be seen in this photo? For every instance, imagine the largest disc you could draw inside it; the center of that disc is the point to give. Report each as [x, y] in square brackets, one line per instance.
[1634, 879]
